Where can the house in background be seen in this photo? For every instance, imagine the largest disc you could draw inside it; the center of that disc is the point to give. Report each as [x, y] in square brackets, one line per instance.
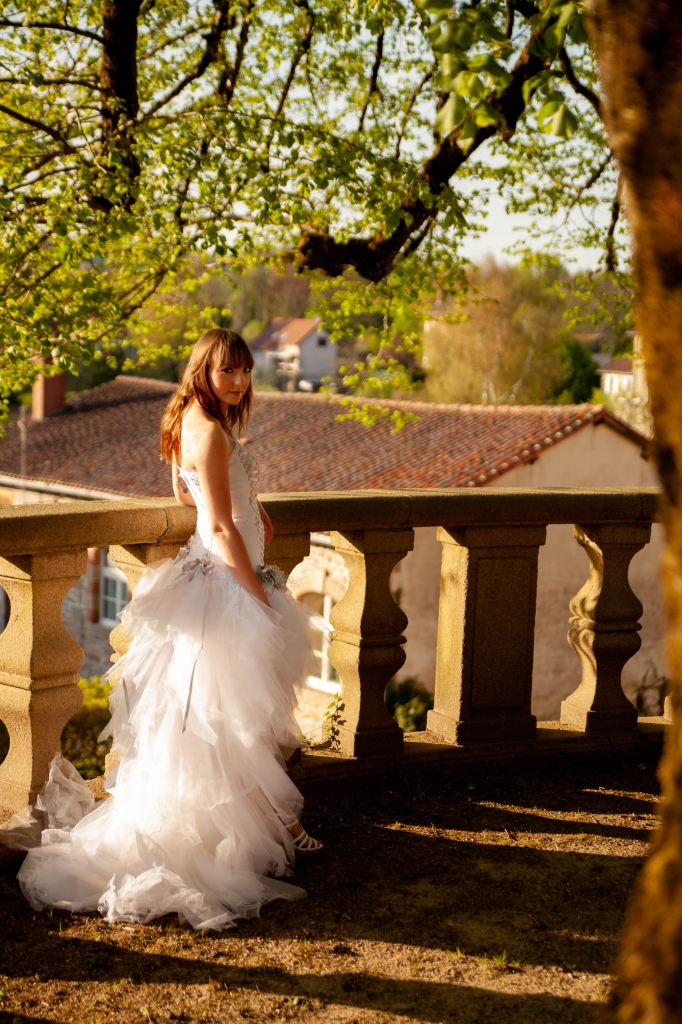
[106, 445]
[298, 351]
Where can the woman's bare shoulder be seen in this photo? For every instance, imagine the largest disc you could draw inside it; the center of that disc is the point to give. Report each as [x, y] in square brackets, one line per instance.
[199, 431]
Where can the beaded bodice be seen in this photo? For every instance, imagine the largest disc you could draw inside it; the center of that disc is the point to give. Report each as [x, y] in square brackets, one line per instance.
[243, 473]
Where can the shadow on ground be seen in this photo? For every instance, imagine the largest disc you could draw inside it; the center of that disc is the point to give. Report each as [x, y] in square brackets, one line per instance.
[439, 898]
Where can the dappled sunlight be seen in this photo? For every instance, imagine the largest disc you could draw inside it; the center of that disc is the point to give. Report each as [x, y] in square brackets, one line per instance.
[439, 897]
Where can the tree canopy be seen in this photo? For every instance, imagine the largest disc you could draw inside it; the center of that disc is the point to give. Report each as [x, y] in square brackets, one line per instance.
[137, 135]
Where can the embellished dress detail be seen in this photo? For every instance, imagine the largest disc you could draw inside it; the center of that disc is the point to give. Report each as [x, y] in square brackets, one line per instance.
[203, 717]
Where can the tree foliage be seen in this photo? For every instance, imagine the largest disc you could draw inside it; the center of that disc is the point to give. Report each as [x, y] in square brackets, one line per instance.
[137, 134]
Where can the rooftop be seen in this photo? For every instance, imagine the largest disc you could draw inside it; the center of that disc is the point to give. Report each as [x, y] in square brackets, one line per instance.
[106, 442]
[622, 365]
[283, 331]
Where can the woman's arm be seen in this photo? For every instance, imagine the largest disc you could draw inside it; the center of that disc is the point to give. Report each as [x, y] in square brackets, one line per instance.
[268, 531]
[181, 490]
[211, 456]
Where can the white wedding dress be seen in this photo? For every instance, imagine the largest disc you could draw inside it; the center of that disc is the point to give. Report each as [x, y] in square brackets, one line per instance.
[203, 715]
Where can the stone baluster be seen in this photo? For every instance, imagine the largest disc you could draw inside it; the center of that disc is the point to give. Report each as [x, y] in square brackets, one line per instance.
[39, 663]
[486, 629]
[133, 559]
[604, 628]
[287, 550]
[366, 648]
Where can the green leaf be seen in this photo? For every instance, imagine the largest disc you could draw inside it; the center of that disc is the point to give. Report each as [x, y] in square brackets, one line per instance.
[551, 105]
[467, 133]
[536, 82]
[564, 122]
[553, 37]
[451, 114]
[485, 114]
[577, 30]
[456, 35]
[466, 83]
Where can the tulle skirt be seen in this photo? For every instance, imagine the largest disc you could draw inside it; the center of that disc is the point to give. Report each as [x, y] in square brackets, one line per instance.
[203, 717]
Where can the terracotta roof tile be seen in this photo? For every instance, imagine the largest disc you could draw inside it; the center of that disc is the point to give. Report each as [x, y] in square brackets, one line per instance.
[108, 441]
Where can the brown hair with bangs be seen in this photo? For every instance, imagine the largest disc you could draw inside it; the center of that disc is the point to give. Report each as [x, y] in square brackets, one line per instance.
[218, 346]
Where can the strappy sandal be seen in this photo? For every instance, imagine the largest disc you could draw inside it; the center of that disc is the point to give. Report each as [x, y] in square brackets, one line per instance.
[303, 843]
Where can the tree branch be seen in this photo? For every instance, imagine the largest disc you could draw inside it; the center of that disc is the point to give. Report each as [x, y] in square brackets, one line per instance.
[169, 42]
[610, 259]
[32, 123]
[223, 21]
[373, 258]
[408, 110]
[228, 79]
[6, 23]
[582, 90]
[86, 82]
[509, 20]
[304, 42]
[373, 79]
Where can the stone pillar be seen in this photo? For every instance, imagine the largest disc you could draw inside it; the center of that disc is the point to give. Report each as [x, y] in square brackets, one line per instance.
[287, 550]
[132, 560]
[486, 632]
[604, 628]
[366, 648]
[39, 663]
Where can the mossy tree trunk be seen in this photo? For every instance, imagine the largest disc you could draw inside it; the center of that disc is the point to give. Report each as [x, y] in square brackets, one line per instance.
[639, 49]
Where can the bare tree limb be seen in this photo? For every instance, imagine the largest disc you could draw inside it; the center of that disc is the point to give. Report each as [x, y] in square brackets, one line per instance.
[576, 85]
[373, 80]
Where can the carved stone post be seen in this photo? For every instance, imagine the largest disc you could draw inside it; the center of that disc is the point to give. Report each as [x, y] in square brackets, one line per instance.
[39, 663]
[366, 648]
[604, 628]
[287, 550]
[486, 631]
[132, 560]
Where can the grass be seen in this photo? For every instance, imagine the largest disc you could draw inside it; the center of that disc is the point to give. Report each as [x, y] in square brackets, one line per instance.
[79, 736]
[458, 922]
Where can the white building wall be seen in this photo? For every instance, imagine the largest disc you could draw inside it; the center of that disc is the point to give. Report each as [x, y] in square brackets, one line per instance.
[594, 456]
[317, 361]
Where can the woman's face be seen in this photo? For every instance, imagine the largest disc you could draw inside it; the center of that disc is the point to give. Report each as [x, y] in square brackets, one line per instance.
[230, 383]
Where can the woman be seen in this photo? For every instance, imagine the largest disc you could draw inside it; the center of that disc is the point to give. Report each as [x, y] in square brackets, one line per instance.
[202, 818]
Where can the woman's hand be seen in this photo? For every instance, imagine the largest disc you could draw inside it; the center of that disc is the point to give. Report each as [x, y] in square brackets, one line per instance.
[268, 531]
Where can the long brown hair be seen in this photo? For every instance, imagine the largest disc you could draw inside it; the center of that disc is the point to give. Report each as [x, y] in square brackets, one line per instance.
[231, 350]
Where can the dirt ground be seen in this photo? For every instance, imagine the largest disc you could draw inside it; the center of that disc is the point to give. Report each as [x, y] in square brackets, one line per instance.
[443, 898]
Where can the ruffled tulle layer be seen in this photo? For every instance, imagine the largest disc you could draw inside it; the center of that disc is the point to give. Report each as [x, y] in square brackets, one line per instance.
[203, 716]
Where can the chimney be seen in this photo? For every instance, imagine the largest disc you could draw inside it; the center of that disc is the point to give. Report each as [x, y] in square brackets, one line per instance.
[48, 396]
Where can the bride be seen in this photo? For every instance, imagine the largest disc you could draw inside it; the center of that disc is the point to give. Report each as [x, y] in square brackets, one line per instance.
[202, 819]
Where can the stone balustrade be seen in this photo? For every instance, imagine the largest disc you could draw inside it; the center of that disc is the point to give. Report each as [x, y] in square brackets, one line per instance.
[491, 538]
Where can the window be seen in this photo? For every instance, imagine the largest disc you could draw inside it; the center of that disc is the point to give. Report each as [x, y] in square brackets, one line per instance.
[321, 340]
[114, 593]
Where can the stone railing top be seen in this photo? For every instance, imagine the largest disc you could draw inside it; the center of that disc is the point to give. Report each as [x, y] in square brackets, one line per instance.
[32, 529]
